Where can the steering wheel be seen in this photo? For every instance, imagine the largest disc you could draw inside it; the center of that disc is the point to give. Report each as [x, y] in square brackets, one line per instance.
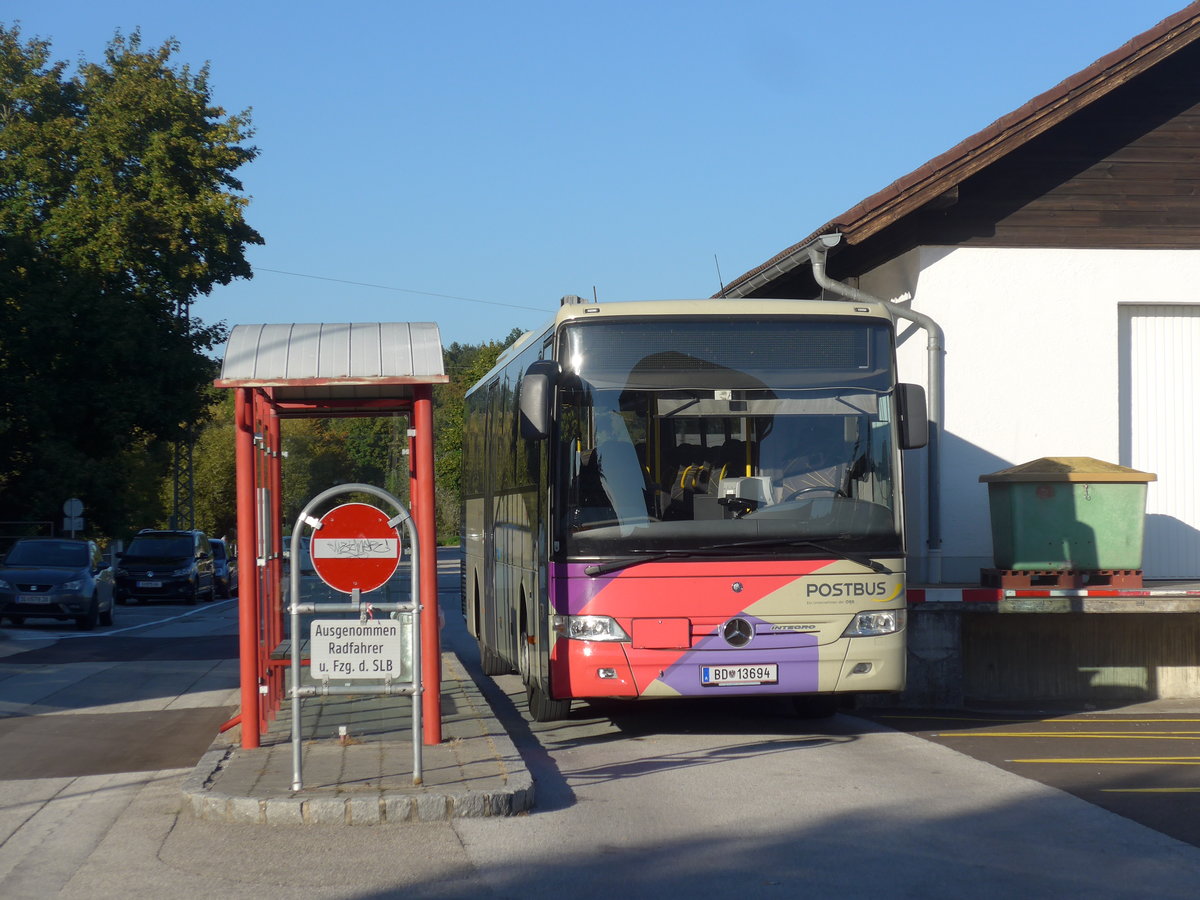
[828, 489]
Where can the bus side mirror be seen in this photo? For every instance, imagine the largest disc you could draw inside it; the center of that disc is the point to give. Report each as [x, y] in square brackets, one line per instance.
[913, 416]
[537, 392]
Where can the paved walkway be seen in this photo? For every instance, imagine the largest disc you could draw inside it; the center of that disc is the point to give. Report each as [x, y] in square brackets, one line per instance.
[366, 776]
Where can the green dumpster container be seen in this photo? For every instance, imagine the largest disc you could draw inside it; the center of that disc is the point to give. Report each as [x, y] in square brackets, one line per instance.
[1067, 513]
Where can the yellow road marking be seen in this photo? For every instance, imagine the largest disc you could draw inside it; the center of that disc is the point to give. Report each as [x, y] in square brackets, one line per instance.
[1089, 721]
[1118, 761]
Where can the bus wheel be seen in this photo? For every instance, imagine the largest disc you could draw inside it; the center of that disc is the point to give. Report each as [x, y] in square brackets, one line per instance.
[491, 662]
[542, 708]
[816, 706]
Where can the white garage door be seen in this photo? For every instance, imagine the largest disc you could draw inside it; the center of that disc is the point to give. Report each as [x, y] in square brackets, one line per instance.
[1160, 393]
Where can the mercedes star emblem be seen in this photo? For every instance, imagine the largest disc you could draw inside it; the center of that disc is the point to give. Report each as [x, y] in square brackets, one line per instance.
[737, 632]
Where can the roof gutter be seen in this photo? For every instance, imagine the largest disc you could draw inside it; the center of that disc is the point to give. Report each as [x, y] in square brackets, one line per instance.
[816, 251]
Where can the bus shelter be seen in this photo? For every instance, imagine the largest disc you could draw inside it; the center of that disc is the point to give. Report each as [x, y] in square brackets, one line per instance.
[312, 371]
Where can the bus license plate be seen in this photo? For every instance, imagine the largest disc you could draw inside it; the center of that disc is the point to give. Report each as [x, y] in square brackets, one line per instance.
[763, 673]
[36, 599]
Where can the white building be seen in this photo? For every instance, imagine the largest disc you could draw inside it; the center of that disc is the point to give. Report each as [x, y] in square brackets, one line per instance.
[1059, 250]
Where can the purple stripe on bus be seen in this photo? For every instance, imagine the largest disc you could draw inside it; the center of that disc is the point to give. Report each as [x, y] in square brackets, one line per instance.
[797, 661]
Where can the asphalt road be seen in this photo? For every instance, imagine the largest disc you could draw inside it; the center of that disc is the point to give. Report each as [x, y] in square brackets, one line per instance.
[105, 702]
[643, 800]
[1140, 762]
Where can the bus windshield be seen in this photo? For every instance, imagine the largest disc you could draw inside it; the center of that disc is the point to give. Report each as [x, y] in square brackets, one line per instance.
[752, 437]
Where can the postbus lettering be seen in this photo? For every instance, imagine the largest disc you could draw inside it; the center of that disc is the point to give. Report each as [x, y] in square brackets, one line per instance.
[846, 588]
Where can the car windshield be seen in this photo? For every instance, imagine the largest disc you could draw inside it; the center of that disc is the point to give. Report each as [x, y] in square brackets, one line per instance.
[51, 554]
[726, 446]
[162, 546]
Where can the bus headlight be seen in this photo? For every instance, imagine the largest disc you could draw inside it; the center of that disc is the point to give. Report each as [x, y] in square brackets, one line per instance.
[589, 628]
[873, 624]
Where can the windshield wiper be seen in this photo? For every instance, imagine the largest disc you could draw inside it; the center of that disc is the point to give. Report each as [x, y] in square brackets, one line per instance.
[614, 565]
[864, 561]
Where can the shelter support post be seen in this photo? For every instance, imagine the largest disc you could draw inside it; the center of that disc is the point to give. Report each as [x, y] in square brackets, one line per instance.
[273, 620]
[263, 524]
[426, 522]
[247, 568]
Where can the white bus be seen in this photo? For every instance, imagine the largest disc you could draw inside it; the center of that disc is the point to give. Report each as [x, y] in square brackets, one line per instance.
[691, 499]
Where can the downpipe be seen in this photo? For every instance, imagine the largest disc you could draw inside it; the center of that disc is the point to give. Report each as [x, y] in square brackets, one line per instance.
[935, 362]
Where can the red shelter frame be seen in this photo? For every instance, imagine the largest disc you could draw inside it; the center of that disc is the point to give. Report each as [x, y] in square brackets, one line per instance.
[263, 399]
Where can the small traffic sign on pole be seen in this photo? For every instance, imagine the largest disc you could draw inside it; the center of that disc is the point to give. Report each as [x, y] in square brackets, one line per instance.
[355, 548]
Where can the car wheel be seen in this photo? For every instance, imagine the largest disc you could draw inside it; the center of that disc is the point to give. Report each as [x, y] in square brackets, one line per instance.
[91, 618]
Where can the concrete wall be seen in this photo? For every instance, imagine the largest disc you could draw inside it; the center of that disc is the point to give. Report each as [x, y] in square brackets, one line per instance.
[963, 655]
[1031, 366]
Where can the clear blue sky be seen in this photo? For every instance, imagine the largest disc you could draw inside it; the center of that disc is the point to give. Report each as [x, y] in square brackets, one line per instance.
[513, 152]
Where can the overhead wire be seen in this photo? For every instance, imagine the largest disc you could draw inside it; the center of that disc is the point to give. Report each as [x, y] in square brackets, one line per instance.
[385, 287]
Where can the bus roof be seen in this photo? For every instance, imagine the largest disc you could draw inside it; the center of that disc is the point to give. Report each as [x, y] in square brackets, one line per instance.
[577, 309]
[725, 308]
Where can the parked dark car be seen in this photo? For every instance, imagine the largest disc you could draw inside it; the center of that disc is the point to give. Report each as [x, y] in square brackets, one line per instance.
[58, 578]
[165, 565]
[224, 568]
[306, 565]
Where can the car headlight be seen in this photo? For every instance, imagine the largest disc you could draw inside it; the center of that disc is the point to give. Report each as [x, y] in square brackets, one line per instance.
[5, 586]
[76, 585]
[182, 573]
[875, 623]
[589, 628]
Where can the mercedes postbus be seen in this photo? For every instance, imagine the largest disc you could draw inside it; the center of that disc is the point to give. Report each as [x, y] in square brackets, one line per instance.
[691, 499]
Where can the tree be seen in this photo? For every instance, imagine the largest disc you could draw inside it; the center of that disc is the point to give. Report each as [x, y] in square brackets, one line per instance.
[465, 364]
[118, 208]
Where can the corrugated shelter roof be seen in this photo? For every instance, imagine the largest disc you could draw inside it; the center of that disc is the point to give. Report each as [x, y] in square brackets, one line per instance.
[945, 172]
[343, 363]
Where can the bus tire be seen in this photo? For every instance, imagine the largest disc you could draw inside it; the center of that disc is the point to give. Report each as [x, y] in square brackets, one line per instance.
[816, 706]
[492, 662]
[542, 708]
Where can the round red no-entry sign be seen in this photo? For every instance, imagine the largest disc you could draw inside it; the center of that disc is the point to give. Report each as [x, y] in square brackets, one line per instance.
[355, 548]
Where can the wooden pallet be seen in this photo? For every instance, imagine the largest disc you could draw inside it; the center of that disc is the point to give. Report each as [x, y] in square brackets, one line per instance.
[1062, 579]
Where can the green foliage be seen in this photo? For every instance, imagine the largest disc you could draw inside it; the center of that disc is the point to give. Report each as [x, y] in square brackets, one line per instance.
[214, 470]
[118, 208]
[322, 453]
[465, 364]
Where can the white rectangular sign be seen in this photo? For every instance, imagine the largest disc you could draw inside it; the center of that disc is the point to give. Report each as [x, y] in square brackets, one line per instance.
[355, 548]
[347, 648]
